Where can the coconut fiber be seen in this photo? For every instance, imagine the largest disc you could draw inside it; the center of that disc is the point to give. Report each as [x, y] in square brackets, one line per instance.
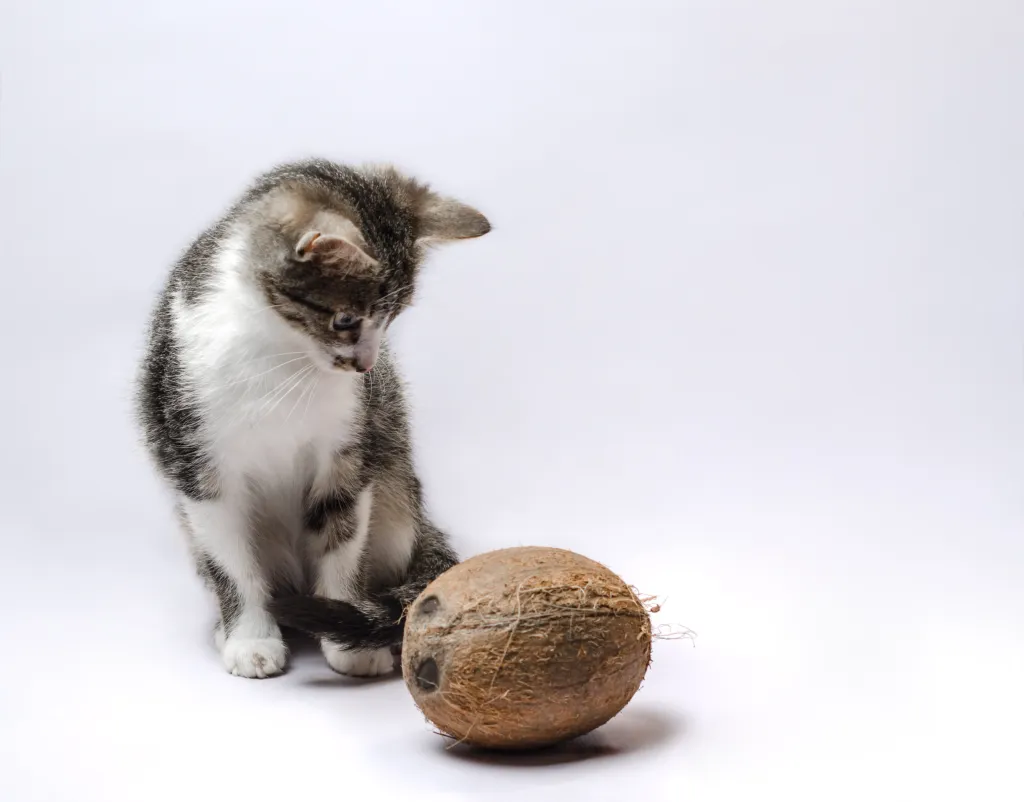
[525, 647]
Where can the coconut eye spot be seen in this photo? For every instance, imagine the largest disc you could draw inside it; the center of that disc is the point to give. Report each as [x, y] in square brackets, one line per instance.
[429, 605]
[428, 677]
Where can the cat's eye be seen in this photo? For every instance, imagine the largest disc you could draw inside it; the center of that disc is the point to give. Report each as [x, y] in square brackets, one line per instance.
[344, 322]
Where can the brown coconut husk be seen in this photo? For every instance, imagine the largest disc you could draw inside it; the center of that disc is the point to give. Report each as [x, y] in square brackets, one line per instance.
[525, 647]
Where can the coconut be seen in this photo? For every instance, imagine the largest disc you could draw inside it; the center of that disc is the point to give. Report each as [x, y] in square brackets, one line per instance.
[525, 647]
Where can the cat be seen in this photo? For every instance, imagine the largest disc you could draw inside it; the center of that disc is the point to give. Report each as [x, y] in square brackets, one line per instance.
[270, 403]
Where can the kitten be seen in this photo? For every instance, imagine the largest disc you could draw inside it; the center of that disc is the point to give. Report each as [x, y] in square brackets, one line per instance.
[289, 459]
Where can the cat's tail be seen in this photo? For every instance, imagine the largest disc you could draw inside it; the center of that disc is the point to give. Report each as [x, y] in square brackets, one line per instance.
[371, 623]
[377, 620]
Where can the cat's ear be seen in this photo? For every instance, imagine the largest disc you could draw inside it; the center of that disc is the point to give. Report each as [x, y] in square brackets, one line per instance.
[329, 248]
[447, 219]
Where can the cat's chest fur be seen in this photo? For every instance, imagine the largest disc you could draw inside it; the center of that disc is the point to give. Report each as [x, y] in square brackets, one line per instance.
[284, 430]
[270, 417]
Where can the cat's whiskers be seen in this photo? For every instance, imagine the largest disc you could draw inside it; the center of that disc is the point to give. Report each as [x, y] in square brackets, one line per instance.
[309, 382]
[266, 308]
[282, 386]
[247, 358]
[383, 387]
[264, 399]
[394, 292]
[299, 382]
[291, 385]
[316, 383]
[247, 379]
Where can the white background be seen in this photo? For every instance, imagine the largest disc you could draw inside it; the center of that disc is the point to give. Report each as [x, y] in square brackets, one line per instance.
[748, 330]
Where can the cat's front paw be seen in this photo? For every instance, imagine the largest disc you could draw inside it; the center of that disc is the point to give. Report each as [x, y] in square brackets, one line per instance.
[254, 657]
[358, 662]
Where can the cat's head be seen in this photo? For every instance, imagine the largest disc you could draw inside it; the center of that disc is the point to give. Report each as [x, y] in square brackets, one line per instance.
[338, 252]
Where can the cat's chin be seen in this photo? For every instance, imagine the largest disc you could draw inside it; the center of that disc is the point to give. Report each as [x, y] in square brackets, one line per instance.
[326, 364]
[334, 370]
[344, 365]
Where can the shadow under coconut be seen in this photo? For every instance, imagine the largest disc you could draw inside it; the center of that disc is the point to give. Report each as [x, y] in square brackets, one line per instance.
[633, 730]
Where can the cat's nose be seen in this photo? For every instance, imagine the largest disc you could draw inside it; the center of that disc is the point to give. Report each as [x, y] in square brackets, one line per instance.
[367, 349]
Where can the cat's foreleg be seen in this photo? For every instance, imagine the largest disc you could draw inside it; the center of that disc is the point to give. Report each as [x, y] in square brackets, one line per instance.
[249, 639]
[342, 524]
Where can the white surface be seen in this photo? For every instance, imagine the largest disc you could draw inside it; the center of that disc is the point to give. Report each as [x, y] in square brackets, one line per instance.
[748, 329]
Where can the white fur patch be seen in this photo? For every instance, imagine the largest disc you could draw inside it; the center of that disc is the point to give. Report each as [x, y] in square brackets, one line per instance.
[254, 657]
[254, 646]
[359, 663]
